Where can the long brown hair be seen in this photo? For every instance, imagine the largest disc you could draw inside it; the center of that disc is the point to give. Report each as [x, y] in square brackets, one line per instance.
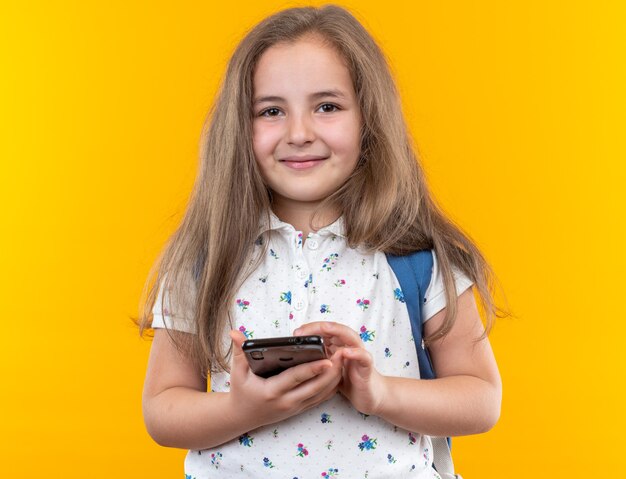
[385, 203]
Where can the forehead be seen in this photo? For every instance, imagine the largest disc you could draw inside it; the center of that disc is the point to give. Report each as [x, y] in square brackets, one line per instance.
[303, 66]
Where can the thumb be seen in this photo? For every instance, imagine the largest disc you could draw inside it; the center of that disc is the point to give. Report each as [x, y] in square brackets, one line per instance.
[239, 362]
[238, 339]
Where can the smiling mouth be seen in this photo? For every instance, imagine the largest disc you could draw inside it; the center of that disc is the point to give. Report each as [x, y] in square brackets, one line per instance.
[302, 164]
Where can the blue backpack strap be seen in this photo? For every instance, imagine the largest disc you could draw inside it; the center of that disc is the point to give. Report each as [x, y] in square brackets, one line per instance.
[413, 272]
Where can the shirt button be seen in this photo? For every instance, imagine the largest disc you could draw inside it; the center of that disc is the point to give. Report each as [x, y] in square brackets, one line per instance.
[312, 244]
[302, 274]
[299, 306]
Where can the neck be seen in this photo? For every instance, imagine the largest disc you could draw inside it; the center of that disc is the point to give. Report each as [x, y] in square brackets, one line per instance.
[300, 215]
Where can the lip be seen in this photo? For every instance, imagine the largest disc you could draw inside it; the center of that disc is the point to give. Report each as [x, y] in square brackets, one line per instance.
[302, 162]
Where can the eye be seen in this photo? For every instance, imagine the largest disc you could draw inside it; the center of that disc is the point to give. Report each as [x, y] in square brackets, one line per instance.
[328, 108]
[272, 111]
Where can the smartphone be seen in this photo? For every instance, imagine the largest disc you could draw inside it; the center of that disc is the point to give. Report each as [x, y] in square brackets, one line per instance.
[270, 356]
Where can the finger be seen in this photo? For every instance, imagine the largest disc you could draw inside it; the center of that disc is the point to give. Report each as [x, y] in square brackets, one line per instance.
[337, 357]
[324, 384]
[332, 349]
[360, 361]
[324, 395]
[342, 335]
[239, 362]
[238, 339]
[309, 394]
[337, 334]
[295, 376]
[335, 341]
[334, 374]
[314, 327]
[314, 394]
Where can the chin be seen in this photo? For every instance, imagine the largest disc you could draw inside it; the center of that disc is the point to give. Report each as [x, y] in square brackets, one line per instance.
[302, 195]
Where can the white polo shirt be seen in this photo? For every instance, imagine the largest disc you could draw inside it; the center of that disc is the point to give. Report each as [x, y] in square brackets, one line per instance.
[323, 279]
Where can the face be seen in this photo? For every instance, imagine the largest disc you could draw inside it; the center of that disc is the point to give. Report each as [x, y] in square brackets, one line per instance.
[306, 127]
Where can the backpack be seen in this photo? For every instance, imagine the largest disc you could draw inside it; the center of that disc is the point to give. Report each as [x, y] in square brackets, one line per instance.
[414, 272]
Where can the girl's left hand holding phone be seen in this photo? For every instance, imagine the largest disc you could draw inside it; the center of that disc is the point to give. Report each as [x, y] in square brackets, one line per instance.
[260, 401]
[361, 383]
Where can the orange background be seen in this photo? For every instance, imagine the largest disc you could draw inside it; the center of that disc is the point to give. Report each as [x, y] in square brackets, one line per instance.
[519, 112]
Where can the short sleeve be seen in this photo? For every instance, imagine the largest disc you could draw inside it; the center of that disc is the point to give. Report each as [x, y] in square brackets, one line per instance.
[435, 297]
[161, 315]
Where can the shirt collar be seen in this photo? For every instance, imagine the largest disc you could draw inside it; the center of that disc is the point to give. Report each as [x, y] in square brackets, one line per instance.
[273, 223]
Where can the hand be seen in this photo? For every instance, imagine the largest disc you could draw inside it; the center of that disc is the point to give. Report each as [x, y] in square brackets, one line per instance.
[362, 384]
[266, 401]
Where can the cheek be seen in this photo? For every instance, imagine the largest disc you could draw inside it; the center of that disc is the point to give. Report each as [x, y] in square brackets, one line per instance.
[264, 141]
[346, 141]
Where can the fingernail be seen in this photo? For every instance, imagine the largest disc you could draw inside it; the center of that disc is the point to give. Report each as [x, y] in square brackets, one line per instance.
[296, 331]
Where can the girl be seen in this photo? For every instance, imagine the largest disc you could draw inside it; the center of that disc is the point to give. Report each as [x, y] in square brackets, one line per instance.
[308, 178]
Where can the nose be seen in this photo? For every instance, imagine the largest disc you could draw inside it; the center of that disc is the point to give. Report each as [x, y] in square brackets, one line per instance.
[300, 129]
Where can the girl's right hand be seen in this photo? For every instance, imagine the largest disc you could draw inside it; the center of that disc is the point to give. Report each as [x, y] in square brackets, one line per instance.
[265, 401]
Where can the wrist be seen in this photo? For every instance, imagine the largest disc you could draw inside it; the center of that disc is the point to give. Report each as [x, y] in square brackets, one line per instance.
[380, 394]
[239, 414]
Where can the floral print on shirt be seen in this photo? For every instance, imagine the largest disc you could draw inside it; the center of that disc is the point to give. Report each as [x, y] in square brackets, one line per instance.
[243, 304]
[367, 443]
[285, 297]
[366, 335]
[330, 262]
[246, 440]
[215, 459]
[398, 294]
[363, 303]
[302, 451]
[281, 295]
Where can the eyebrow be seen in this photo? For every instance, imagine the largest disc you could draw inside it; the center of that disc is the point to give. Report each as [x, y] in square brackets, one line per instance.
[313, 96]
